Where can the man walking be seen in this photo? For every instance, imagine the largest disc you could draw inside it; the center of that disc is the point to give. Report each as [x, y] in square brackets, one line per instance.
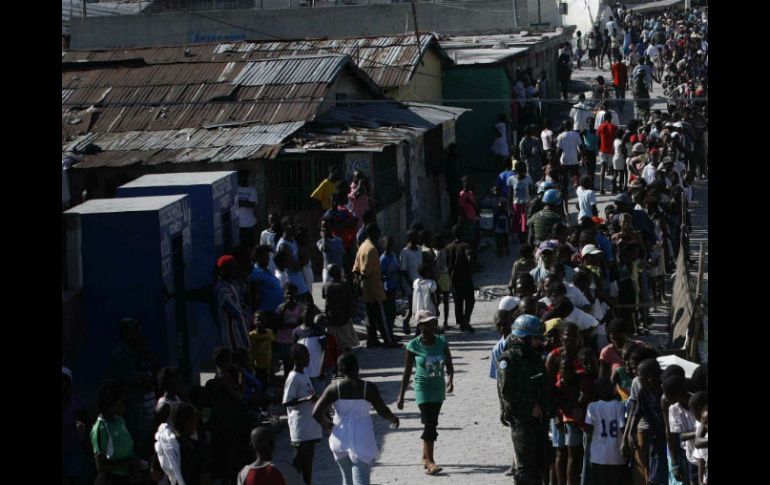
[606, 134]
[458, 256]
[620, 81]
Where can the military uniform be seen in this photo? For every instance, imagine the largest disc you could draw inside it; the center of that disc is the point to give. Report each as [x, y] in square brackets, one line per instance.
[541, 225]
[522, 382]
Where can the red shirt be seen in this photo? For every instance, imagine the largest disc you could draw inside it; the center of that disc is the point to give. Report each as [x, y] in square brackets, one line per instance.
[606, 133]
[619, 75]
[467, 205]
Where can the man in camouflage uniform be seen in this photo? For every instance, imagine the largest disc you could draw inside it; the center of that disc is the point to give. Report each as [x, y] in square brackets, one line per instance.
[522, 386]
[541, 224]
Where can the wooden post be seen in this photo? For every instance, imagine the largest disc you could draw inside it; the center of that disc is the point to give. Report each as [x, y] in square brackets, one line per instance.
[701, 267]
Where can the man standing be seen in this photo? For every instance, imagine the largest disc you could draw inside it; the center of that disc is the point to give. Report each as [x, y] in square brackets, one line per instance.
[458, 256]
[540, 225]
[247, 210]
[368, 273]
[525, 407]
[233, 324]
[642, 78]
[568, 148]
[470, 216]
[606, 134]
[267, 293]
[531, 153]
[564, 69]
[327, 189]
[620, 81]
[580, 113]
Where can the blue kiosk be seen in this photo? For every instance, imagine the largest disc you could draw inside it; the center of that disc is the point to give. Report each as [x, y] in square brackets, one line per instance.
[131, 256]
[213, 198]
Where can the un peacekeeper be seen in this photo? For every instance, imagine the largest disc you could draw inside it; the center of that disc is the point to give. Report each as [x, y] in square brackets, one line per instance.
[522, 388]
[541, 224]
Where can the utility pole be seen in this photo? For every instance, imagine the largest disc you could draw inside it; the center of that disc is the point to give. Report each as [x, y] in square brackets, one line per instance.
[416, 30]
[515, 16]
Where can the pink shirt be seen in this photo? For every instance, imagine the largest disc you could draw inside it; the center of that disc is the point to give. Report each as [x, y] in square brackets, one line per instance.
[467, 203]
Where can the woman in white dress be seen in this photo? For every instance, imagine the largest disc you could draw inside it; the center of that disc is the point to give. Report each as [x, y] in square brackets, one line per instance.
[352, 439]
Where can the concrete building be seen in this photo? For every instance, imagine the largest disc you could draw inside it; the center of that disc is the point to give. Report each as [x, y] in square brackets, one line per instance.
[481, 78]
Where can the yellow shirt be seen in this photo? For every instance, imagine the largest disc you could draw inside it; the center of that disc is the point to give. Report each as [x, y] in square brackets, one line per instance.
[261, 350]
[324, 192]
[368, 265]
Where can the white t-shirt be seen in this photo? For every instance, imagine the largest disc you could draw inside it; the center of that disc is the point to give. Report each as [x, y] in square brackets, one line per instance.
[411, 259]
[569, 142]
[618, 160]
[608, 419]
[520, 188]
[653, 51]
[580, 114]
[547, 138]
[612, 26]
[648, 173]
[682, 421]
[302, 426]
[575, 296]
[602, 115]
[246, 216]
[421, 296]
[586, 199]
[583, 320]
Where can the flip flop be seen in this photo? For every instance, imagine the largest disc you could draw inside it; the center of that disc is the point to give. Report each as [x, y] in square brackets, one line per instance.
[433, 469]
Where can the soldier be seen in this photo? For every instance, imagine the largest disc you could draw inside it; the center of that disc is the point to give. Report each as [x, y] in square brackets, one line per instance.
[522, 388]
[541, 223]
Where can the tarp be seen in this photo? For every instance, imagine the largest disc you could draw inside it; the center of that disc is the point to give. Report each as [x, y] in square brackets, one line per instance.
[667, 360]
[682, 305]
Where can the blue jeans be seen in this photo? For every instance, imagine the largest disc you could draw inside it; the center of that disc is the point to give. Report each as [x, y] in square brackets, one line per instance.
[354, 473]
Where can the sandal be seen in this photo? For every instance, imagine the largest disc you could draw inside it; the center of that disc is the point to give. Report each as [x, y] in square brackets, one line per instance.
[433, 469]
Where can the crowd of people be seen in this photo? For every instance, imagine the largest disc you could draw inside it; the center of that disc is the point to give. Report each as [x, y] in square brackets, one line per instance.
[584, 401]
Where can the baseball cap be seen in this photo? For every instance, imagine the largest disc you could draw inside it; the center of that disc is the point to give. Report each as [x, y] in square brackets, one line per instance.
[590, 249]
[226, 259]
[547, 246]
[425, 316]
[508, 303]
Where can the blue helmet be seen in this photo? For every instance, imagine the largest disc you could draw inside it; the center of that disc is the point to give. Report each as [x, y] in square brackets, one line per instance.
[528, 325]
[552, 196]
[545, 186]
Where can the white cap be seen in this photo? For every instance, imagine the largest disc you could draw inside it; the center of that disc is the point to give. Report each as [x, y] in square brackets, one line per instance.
[590, 249]
[508, 303]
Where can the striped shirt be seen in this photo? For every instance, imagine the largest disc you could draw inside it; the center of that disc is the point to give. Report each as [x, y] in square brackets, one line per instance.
[232, 318]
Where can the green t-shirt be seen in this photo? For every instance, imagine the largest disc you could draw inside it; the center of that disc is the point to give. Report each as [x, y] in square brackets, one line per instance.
[122, 443]
[429, 384]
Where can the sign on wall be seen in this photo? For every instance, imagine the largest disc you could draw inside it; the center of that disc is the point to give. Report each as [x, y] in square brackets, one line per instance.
[358, 161]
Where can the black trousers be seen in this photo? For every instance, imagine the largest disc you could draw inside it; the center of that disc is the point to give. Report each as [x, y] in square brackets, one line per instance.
[609, 474]
[429, 412]
[389, 305]
[464, 301]
[530, 438]
[375, 316]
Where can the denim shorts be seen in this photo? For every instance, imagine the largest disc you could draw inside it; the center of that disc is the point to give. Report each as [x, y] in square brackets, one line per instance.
[572, 438]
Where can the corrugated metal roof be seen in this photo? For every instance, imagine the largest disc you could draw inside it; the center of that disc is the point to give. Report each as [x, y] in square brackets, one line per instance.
[389, 60]
[492, 49]
[320, 69]
[371, 127]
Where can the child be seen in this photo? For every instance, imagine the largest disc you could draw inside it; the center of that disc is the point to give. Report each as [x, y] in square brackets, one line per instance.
[299, 397]
[171, 382]
[699, 406]
[424, 292]
[605, 421]
[411, 259]
[567, 436]
[501, 229]
[281, 261]
[339, 309]
[524, 264]
[332, 350]
[442, 275]
[681, 423]
[520, 187]
[313, 336]
[289, 315]
[390, 268]
[261, 348]
[646, 433]
[586, 204]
